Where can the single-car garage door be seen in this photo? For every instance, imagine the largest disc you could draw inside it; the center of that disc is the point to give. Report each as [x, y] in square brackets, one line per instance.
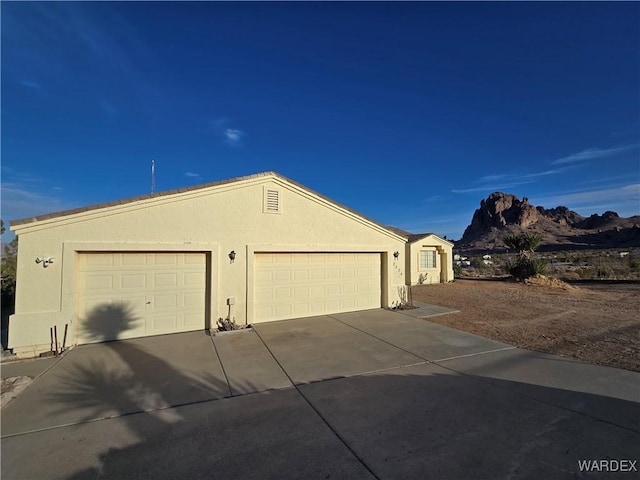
[126, 295]
[291, 285]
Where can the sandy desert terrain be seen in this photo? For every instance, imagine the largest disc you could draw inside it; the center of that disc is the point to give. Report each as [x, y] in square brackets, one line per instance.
[596, 322]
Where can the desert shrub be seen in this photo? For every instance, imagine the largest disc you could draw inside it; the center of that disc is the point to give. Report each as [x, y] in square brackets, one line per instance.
[457, 270]
[476, 263]
[227, 324]
[405, 301]
[634, 265]
[9, 268]
[586, 273]
[525, 243]
[482, 268]
[540, 266]
[523, 268]
[578, 260]
[500, 270]
[488, 272]
[605, 271]
[470, 272]
[526, 265]
[619, 270]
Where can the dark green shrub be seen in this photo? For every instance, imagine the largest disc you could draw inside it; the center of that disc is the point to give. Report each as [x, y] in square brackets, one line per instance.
[526, 265]
[524, 268]
[8, 268]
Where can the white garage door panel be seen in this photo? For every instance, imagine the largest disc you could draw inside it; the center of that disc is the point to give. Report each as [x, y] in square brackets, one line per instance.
[290, 285]
[157, 293]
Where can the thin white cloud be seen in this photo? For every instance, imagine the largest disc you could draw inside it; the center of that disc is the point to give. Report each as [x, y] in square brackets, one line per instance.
[593, 154]
[452, 225]
[233, 136]
[192, 175]
[30, 84]
[492, 188]
[492, 178]
[518, 177]
[20, 177]
[19, 202]
[613, 178]
[504, 181]
[222, 126]
[544, 174]
[625, 197]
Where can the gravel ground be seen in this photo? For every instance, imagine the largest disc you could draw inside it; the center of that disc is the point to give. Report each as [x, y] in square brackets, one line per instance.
[596, 322]
[11, 387]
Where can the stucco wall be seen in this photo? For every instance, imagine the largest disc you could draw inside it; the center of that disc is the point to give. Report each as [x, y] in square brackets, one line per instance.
[443, 272]
[215, 220]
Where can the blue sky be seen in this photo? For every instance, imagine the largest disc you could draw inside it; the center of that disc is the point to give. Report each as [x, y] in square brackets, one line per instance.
[410, 113]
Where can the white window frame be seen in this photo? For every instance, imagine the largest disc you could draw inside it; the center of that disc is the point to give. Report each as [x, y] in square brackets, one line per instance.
[423, 260]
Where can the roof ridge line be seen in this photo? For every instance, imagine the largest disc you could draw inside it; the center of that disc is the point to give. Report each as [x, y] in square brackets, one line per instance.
[138, 198]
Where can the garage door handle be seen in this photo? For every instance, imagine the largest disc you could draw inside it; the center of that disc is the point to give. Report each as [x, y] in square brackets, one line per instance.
[148, 303]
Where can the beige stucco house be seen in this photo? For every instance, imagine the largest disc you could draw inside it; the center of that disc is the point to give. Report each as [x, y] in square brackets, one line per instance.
[428, 258]
[258, 248]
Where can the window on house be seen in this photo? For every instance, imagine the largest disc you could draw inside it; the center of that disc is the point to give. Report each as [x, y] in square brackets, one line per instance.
[427, 259]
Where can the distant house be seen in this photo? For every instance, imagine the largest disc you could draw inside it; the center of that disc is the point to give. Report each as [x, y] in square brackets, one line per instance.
[461, 261]
[623, 254]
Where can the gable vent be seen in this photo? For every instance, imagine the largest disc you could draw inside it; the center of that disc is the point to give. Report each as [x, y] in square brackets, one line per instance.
[271, 201]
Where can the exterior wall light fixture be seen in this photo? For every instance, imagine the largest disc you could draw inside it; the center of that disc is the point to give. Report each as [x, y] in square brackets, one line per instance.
[232, 256]
[46, 261]
[396, 255]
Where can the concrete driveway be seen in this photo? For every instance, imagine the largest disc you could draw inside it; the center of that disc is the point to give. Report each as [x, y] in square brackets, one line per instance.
[372, 394]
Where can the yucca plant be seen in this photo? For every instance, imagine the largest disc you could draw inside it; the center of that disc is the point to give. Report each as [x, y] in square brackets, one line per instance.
[524, 243]
[526, 265]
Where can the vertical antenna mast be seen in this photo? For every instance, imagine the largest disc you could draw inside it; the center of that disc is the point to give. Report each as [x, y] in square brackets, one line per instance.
[153, 175]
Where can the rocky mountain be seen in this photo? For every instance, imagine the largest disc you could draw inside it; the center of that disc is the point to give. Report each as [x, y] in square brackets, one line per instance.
[561, 228]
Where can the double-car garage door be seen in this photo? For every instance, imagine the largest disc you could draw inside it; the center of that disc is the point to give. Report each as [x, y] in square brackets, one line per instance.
[292, 285]
[137, 294]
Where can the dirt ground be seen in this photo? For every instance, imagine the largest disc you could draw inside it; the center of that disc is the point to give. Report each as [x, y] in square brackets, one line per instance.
[594, 322]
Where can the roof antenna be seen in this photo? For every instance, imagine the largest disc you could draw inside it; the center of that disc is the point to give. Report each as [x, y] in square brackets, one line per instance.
[153, 175]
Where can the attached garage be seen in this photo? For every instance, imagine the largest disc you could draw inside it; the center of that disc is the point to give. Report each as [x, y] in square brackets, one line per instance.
[292, 285]
[137, 294]
[255, 249]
